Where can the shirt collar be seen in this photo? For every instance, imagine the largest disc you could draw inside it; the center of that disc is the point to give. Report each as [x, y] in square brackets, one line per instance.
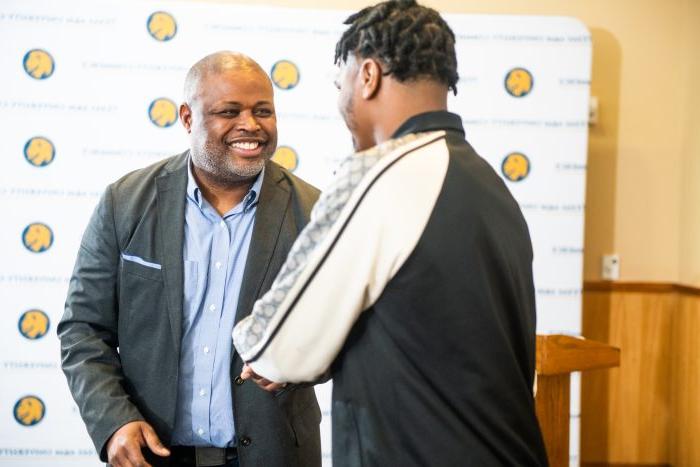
[253, 195]
[195, 193]
[430, 121]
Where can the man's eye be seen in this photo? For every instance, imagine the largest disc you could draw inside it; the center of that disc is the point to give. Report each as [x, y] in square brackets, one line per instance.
[229, 113]
[263, 112]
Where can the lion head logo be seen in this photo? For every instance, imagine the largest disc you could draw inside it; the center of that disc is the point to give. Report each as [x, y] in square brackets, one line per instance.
[161, 26]
[285, 74]
[519, 82]
[38, 63]
[29, 410]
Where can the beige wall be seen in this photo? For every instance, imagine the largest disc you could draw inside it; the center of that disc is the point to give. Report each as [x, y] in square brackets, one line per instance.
[644, 156]
[690, 207]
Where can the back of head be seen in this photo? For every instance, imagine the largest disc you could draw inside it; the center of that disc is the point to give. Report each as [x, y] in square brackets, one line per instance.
[413, 42]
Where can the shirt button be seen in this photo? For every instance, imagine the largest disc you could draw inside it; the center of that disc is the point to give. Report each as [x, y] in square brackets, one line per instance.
[218, 265]
[222, 223]
[200, 432]
[202, 392]
[206, 349]
[212, 307]
[239, 380]
[245, 441]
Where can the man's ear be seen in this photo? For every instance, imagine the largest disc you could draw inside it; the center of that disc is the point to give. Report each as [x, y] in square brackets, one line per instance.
[186, 117]
[370, 77]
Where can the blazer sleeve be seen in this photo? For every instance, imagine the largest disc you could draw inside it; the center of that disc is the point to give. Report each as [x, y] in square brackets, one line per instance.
[88, 331]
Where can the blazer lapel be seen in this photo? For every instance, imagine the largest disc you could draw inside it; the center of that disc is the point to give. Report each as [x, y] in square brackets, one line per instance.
[171, 231]
[272, 205]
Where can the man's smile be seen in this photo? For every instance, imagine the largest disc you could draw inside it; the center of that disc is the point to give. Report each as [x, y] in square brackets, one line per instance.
[247, 147]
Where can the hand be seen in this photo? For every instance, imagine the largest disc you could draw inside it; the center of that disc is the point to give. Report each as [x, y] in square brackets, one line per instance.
[124, 447]
[264, 383]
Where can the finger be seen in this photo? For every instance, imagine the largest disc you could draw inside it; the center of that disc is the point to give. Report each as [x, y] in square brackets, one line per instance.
[272, 384]
[273, 387]
[247, 372]
[264, 382]
[153, 442]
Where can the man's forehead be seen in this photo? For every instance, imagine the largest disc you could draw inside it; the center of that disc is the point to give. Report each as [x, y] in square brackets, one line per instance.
[231, 81]
[244, 84]
[236, 75]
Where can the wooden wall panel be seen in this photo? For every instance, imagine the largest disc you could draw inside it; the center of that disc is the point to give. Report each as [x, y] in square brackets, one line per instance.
[685, 367]
[595, 385]
[625, 412]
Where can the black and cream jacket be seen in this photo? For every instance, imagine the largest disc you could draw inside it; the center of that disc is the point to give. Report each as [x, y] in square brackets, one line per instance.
[412, 284]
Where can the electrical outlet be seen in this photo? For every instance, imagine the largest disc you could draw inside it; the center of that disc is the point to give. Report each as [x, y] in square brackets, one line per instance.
[611, 267]
[593, 111]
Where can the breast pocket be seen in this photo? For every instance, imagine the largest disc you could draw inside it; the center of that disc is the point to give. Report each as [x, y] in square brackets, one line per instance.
[140, 267]
[142, 302]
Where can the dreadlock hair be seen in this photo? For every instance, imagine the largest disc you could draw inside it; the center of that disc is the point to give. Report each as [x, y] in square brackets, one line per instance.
[410, 40]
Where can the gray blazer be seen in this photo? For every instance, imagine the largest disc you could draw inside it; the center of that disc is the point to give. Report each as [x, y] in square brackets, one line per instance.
[121, 330]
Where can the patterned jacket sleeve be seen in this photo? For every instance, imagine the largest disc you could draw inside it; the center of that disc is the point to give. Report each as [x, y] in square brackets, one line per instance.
[362, 230]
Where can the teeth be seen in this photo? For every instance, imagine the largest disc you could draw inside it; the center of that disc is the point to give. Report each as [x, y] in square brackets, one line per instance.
[247, 145]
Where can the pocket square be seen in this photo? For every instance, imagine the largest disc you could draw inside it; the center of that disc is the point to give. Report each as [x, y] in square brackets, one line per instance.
[141, 261]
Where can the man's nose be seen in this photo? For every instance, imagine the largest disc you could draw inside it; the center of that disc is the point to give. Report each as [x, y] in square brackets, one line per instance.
[248, 122]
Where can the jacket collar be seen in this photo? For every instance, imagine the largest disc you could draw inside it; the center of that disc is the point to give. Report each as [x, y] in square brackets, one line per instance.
[430, 121]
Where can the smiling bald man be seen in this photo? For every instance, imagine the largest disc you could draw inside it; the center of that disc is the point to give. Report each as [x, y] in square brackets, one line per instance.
[173, 256]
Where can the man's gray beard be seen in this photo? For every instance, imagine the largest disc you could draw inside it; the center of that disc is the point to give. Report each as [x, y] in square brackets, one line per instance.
[223, 169]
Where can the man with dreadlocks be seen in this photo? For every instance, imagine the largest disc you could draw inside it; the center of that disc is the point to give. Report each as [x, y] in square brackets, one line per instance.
[412, 283]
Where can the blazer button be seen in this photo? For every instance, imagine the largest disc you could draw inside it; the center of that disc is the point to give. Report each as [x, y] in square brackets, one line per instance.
[239, 380]
[245, 441]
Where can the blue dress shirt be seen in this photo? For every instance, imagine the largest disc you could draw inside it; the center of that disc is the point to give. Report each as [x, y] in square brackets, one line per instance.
[215, 252]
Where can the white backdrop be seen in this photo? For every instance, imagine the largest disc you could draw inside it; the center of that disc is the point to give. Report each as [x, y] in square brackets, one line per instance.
[87, 93]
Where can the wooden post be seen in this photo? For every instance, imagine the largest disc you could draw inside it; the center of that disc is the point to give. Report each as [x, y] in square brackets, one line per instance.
[552, 405]
[557, 357]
